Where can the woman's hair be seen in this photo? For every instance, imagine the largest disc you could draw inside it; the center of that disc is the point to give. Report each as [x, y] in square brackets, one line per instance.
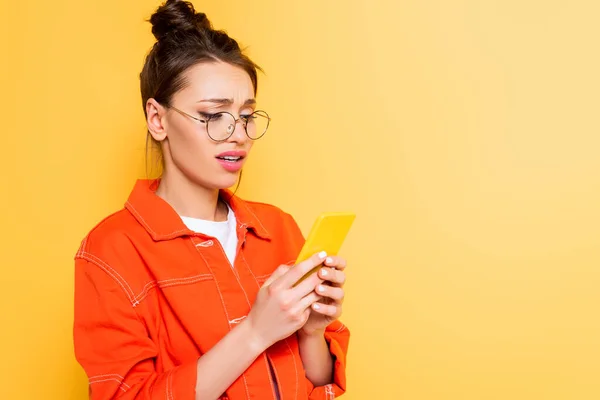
[185, 38]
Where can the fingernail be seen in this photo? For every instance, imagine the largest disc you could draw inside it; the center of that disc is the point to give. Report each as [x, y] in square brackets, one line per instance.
[322, 254]
[323, 272]
[321, 288]
[329, 260]
[316, 306]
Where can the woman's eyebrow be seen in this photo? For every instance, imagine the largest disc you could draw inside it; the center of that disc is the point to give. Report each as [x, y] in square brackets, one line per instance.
[227, 102]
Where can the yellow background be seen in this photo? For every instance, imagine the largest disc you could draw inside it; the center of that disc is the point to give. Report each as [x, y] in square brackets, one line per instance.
[464, 133]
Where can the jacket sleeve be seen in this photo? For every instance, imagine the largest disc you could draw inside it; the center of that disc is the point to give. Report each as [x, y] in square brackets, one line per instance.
[337, 336]
[113, 346]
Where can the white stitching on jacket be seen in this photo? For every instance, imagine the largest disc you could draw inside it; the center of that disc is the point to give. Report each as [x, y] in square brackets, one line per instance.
[110, 377]
[110, 271]
[329, 393]
[138, 215]
[341, 328]
[168, 283]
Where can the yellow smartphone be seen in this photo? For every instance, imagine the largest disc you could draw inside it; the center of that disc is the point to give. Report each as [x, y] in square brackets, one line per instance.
[327, 234]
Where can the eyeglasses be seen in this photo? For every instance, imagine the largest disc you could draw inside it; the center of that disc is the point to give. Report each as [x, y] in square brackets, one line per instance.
[220, 126]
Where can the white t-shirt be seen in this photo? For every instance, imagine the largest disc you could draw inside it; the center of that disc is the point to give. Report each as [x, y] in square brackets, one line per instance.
[224, 232]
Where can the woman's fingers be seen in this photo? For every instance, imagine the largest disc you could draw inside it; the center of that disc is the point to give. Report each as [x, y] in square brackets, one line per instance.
[336, 262]
[292, 276]
[305, 287]
[331, 310]
[333, 275]
[333, 292]
[306, 302]
[279, 272]
[333, 271]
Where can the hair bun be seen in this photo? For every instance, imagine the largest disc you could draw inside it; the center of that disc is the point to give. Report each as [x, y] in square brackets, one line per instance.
[177, 16]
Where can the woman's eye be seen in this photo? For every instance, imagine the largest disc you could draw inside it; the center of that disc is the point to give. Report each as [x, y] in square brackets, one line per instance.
[247, 117]
[208, 116]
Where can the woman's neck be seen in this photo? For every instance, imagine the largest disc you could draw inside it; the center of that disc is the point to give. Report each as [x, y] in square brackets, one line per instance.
[190, 199]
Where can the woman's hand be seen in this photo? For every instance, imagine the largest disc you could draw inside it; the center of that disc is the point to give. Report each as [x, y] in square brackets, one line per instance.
[331, 296]
[280, 308]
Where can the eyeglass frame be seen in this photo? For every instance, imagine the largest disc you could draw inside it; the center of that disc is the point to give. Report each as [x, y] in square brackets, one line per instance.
[244, 120]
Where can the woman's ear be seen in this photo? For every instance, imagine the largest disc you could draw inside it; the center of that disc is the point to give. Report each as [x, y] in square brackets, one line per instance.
[156, 120]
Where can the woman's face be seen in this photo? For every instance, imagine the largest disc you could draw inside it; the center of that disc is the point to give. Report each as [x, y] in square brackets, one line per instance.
[186, 145]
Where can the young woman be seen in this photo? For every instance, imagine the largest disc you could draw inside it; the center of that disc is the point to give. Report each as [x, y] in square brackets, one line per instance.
[188, 293]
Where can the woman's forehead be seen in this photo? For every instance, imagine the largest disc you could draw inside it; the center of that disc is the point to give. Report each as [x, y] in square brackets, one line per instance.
[218, 80]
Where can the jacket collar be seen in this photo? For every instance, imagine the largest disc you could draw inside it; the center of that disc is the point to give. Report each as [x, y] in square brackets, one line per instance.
[163, 223]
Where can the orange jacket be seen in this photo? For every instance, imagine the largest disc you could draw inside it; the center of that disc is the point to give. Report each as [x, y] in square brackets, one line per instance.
[151, 297]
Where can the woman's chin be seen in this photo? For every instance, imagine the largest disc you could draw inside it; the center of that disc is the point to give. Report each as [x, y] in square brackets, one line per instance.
[227, 182]
[218, 181]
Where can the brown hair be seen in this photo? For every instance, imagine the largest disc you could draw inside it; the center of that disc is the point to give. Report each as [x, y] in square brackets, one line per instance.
[185, 38]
